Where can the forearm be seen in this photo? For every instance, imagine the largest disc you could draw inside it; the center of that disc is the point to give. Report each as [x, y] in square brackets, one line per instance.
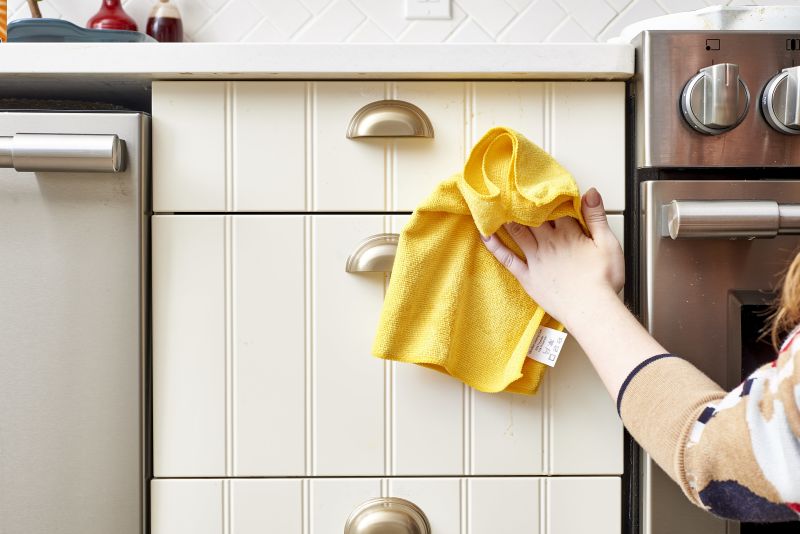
[612, 338]
[660, 397]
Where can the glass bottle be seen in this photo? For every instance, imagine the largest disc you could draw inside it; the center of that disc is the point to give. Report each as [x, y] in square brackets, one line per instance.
[164, 23]
[111, 16]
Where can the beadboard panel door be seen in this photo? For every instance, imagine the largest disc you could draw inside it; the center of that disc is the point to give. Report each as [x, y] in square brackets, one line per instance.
[189, 369]
[485, 505]
[262, 367]
[270, 146]
[189, 145]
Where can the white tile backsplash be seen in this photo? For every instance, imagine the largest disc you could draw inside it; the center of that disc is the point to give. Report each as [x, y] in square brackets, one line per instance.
[592, 15]
[491, 16]
[388, 16]
[285, 15]
[235, 19]
[635, 11]
[535, 23]
[333, 24]
[383, 20]
[470, 32]
[569, 32]
[265, 32]
[369, 32]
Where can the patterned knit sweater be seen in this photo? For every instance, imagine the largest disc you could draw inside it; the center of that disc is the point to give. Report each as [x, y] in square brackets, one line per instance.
[735, 454]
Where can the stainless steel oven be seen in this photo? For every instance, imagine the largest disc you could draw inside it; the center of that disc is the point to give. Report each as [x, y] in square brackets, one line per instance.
[714, 205]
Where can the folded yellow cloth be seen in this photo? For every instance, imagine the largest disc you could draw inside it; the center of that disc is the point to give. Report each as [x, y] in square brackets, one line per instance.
[450, 304]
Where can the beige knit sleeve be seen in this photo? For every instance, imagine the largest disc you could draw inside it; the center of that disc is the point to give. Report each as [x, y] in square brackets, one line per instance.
[658, 403]
[736, 454]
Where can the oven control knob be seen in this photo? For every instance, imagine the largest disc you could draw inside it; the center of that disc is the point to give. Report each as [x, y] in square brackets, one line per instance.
[780, 101]
[715, 100]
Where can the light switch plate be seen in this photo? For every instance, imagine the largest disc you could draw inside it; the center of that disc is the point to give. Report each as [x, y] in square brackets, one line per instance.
[428, 9]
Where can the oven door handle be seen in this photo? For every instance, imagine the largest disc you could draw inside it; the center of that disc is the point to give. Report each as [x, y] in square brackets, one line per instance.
[731, 219]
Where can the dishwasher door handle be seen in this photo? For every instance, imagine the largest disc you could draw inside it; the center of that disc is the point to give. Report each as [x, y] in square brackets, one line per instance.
[37, 152]
[730, 219]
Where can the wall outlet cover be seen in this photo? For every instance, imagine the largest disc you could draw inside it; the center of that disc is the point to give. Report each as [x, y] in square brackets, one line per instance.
[428, 9]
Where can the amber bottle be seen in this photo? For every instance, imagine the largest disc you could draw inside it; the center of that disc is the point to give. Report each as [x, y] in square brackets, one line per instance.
[164, 23]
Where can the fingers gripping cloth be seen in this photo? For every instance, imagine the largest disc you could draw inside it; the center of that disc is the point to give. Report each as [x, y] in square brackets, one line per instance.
[450, 304]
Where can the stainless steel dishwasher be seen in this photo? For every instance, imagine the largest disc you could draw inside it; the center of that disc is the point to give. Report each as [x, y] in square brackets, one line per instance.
[73, 335]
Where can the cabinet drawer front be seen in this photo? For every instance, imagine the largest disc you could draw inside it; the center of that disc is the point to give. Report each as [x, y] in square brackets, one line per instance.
[510, 505]
[282, 146]
[262, 367]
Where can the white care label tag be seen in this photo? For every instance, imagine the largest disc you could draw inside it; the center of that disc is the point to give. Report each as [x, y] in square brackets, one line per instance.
[546, 345]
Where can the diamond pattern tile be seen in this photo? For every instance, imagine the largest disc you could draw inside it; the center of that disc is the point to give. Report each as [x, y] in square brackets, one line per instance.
[384, 20]
[636, 11]
[369, 32]
[194, 15]
[674, 6]
[234, 20]
[389, 15]
[491, 16]
[619, 5]
[265, 32]
[592, 15]
[519, 5]
[287, 16]
[316, 5]
[334, 24]
[569, 31]
[470, 32]
[538, 21]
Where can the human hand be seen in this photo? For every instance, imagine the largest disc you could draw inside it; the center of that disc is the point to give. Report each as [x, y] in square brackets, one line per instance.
[565, 271]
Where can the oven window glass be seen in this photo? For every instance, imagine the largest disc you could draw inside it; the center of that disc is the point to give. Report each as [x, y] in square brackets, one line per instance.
[757, 349]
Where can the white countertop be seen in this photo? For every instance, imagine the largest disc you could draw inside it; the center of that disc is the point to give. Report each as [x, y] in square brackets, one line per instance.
[163, 61]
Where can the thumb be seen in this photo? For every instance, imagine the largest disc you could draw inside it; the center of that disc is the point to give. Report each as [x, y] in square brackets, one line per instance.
[594, 213]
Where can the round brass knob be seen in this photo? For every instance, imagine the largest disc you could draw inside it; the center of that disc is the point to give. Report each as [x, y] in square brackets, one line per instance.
[387, 515]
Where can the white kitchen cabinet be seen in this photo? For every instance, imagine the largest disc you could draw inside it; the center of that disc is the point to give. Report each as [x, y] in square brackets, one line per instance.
[262, 367]
[486, 505]
[189, 153]
[269, 413]
[280, 145]
[186, 506]
[189, 369]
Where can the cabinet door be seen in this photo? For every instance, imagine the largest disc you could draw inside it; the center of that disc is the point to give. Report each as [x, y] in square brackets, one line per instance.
[581, 124]
[190, 416]
[281, 145]
[485, 505]
[190, 142]
[584, 504]
[569, 427]
[261, 347]
[186, 506]
[262, 367]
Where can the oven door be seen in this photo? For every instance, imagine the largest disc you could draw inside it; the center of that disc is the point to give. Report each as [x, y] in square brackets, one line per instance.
[710, 261]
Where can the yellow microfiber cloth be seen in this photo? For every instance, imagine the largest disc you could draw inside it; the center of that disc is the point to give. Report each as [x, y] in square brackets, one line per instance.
[450, 304]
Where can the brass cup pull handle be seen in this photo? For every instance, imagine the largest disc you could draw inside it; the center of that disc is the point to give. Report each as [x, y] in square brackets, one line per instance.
[389, 118]
[375, 254]
[387, 515]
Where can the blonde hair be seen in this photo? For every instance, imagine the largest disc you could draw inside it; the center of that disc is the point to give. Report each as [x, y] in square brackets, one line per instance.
[786, 308]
